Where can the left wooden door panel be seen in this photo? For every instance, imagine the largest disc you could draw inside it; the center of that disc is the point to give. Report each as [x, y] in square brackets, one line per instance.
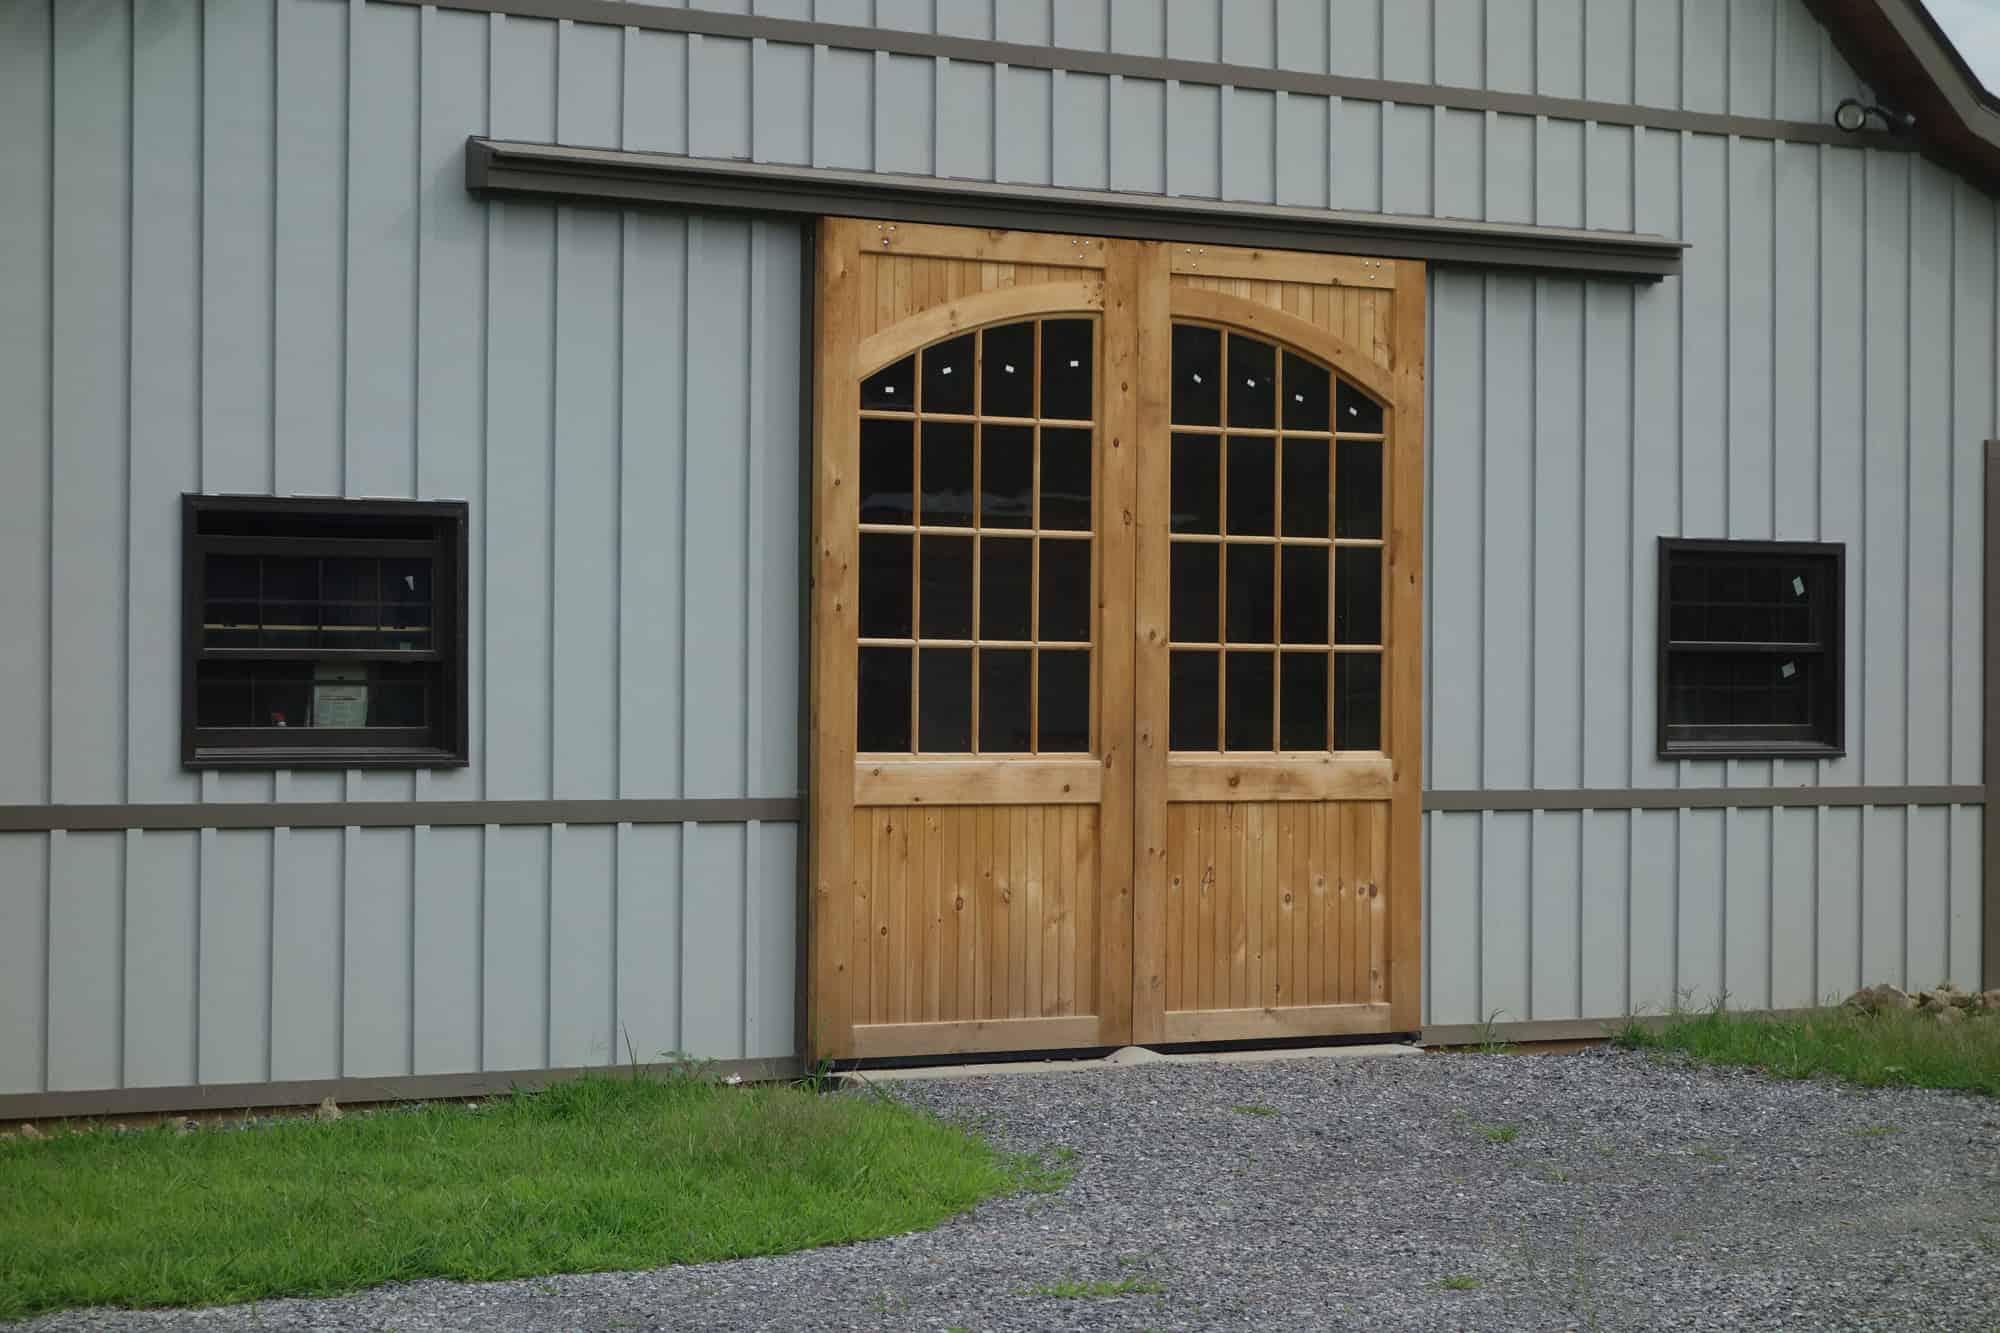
[971, 868]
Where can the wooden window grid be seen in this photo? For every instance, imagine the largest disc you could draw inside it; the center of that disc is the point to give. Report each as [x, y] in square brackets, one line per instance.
[1334, 649]
[980, 534]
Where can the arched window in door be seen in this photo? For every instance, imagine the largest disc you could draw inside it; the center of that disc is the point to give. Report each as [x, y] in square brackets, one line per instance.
[1276, 542]
[978, 574]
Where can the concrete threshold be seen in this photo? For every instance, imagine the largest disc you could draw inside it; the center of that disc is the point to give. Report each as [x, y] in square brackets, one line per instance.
[1128, 1056]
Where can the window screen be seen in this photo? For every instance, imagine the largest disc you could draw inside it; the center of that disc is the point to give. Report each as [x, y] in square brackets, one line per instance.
[1750, 648]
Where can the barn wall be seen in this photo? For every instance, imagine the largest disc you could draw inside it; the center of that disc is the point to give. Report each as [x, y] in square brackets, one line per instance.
[251, 265]
[246, 261]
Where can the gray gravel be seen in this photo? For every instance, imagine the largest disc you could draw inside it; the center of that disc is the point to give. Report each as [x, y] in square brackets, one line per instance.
[1598, 1190]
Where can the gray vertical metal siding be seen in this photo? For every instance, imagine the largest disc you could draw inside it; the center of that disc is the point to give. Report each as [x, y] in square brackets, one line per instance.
[251, 265]
[245, 260]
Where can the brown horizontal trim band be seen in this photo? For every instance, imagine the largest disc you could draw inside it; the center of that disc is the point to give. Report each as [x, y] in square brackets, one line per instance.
[395, 814]
[934, 782]
[1698, 798]
[1162, 69]
[616, 177]
[350, 1091]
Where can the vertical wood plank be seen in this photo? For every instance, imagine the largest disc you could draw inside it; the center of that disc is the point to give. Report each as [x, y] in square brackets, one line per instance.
[1403, 880]
[1019, 923]
[1033, 910]
[835, 623]
[1132, 629]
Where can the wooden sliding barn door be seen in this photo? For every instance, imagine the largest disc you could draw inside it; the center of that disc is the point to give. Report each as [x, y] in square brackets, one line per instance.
[972, 643]
[1114, 642]
[1281, 513]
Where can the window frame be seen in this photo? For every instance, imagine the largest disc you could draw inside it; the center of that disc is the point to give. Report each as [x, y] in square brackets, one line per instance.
[446, 744]
[1831, 738]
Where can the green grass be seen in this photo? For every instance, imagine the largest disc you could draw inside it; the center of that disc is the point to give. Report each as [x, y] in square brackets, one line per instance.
[1461, 1282]
[1498, 1133]
[1070, 1289]
[1891, 1048]
[604, 1173]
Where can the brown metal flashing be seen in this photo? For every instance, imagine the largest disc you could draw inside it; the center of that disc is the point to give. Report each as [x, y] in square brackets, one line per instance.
[395, 814]
[1990, 750]
[617, 177]
[18, 1106]
[1160, 68]
[1700, 798]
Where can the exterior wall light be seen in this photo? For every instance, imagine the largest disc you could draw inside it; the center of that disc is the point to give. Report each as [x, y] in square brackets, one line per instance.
[1852, 116]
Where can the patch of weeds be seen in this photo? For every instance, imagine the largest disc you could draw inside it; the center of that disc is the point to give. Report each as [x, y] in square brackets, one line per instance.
[1489, 1039]
[1898, 1047]
[1709, 1154]
[1461, 1282]
[1254, 1108]
[1064, 1155]
[1875, 1131]
[1555, 1175]
[1071, 1289]
[1498, 1133]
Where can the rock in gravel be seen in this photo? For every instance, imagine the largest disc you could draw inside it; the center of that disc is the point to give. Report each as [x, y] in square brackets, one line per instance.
[1603, 1190]
[329, 1110]
[1950, 1014]
[1874, 999]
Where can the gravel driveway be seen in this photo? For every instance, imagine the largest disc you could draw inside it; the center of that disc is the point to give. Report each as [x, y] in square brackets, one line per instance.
[1598, 1190]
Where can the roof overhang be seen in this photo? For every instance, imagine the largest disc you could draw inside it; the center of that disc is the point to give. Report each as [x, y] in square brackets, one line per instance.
[1899, 49]
[501, 169]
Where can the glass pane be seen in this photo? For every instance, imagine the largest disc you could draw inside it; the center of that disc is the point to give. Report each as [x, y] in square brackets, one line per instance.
[892, 388]
[1196, 592]
[231, 576]
[285, 578]
[223, 697]
[1250, 571]
[1066, 592]
[1003, 700]
[1302, 701]
[1308, 393]
[945, 611]
[1191, 701]
[1064, 703]
[1007, 476]
[947, 473]
[1253, 382]
[229, 625]
[887, 478]
[885, 586]
[1007, 372]
[1247, 700]
[350, 625]
[1253, 479]
[1197, 371]
[1355, 412]
[1357, 595]
[1066, 479]
[399, 695]
[884, 695]
[282, 695]
[406, 584]
[1005, 588]
[1725, 689]
[1305, 488]
[1303, 608]
[1357, 701]
[1067, 364]
[1197, 484]
[947, 374]
[944, 700]
[291, 625]
[1358, 489]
